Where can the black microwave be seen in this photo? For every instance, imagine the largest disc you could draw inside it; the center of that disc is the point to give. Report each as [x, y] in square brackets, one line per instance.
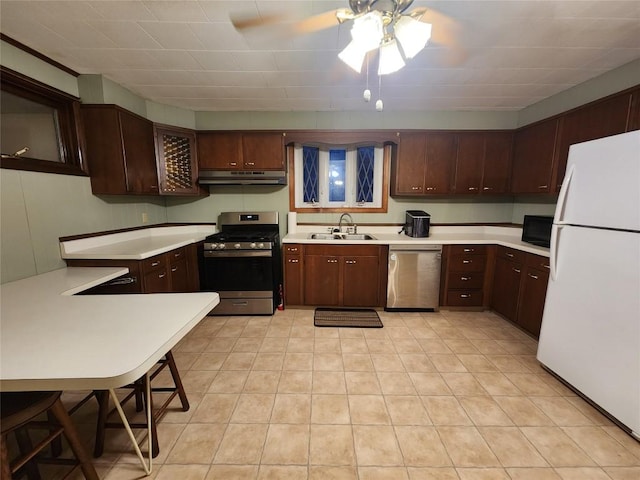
[536, 230]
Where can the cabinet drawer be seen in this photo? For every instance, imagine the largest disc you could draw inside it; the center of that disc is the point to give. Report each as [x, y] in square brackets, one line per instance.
[511, 254]
[293, 249]
[177, 255]
[467, 263]
[538, 261]
[465, 280]
[468, 249]
[153, 263]
[464, 298]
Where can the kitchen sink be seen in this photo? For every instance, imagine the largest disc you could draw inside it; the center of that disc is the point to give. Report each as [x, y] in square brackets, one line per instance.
[341, 236]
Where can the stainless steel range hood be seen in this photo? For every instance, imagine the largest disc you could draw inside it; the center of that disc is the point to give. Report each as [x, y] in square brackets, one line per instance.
[266, 177]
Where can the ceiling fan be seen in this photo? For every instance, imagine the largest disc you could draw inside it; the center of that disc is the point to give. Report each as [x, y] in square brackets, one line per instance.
[376, 24]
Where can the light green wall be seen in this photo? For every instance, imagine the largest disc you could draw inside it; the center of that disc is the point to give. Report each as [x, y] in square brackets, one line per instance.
[38, 208]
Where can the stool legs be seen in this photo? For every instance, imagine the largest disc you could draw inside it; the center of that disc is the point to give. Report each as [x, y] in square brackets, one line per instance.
[178, 381]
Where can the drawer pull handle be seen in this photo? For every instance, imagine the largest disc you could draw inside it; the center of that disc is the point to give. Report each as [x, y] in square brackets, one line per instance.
[174, 269]
[233, 164]
[430, 188]
[517, 270]
[176, 255]
[465, 295]
[543, 186]
[471, 189]
[510, 255]
[464, 279]
[469, 250]
[350, 262]
[544, 265]
[416, 188]
[162, 275]
[293, 260]
[487, 188]
[250, 164]
[535, 277]
[155, 264]
[294, 249]
[332, 260]
[467, 261]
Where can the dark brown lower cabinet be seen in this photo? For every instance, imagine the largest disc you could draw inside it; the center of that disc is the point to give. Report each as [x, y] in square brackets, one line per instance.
[326, 275]
[520, 288]
[174, 271]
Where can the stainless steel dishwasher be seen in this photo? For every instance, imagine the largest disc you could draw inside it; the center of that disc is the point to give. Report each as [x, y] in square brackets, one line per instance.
[414, 277]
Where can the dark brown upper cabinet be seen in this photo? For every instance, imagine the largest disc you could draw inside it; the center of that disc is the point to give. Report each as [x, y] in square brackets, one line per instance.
[234, 150]
[533, 157]
[483, 163]
[120, 151]
[424, 164]
[177, 161]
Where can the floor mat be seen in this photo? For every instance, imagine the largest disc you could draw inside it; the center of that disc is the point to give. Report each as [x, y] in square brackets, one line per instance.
[337, 317]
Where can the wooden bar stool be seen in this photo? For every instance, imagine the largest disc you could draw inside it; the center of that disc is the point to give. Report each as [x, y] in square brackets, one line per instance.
[18, 414]
[139, 393]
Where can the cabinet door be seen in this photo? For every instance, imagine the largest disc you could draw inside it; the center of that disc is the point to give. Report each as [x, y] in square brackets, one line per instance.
[441, 152]
[179, 276]
[634, 114]
[177, 162]
[321, 280]
[605, 118]
[410, 165]
[469, 161]
[139, 154]
[220, 150]
[263, 151]
[532, 297]
[293, 276]
[533, 154]
[506, 287]
[496, 172]
[360, 281]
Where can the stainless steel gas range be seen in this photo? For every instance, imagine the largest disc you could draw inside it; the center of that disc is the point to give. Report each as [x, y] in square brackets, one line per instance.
[242, 263]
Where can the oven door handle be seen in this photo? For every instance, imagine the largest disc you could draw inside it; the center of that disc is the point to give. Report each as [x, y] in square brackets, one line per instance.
[232, 253]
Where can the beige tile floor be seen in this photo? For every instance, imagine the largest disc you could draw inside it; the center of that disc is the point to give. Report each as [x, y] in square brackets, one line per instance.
[446, 395]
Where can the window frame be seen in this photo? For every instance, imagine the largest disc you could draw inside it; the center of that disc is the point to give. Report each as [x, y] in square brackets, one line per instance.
[387, 151]
[67, 108]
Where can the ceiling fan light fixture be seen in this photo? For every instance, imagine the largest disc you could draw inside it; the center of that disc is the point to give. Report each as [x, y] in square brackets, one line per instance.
[368, 30]
[353, 55]
[390, 58]
[412, 34]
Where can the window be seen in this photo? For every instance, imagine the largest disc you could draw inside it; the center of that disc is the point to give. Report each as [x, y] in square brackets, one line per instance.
[334, 178]
[38, 127]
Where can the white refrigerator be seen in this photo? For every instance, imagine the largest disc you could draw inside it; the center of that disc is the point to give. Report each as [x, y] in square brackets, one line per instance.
[590, 334]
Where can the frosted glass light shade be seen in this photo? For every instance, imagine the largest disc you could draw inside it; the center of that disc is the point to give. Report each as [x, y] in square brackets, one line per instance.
[412, 34]
[353, 55]
[390, 58]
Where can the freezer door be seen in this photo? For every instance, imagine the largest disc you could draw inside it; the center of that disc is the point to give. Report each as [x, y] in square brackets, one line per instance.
[601, 187]
[590, 332]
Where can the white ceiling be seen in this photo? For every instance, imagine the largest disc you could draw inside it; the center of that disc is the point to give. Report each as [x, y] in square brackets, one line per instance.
[187, 53]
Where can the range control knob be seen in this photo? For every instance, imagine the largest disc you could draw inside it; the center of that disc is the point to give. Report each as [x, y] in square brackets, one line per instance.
[252, 245]
[221, 246]
[237, 246]
[214, 246]
[261, 245]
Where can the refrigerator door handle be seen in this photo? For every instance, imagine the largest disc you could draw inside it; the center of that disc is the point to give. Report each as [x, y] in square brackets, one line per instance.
[553, 256]
[562, 197]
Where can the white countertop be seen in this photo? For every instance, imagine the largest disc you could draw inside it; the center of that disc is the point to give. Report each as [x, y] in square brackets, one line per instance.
[52, 339]
[385, 235]
[136, 244]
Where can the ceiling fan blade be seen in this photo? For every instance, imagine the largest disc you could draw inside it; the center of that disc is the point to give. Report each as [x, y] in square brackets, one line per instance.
[244, 23]
[324, 20]
[444, 29]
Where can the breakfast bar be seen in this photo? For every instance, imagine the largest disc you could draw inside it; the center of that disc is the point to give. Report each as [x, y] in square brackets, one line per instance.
[53, 339]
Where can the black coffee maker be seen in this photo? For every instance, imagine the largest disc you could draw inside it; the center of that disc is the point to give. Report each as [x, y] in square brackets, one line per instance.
[417, 223]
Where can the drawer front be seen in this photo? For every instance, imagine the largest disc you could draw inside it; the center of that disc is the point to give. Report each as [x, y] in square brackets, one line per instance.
[153, 263]
[538, 261]
[177, 255]
[511, 254]
[290, 249]
[467, 263]
[468, 249]
[464, 298]
[465, 280]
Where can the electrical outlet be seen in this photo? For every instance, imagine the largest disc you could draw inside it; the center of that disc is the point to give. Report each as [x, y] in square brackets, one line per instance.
[145, 217]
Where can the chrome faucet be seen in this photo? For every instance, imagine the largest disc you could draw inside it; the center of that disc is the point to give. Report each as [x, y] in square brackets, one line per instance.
[353, 225]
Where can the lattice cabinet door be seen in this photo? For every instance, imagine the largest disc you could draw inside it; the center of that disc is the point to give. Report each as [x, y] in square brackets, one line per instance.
[177, 161]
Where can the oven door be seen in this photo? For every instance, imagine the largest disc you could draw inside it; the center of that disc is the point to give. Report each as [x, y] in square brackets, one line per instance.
[234, 271]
